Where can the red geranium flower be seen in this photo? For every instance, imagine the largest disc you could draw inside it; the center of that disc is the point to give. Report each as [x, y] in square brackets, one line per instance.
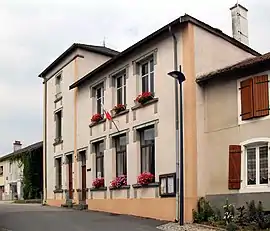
[95, 118]
[98, 183]
[145, 178]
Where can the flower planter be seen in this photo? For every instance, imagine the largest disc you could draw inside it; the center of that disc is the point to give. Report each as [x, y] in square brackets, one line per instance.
[119, 108]
[118, 182]
[144, 98]
[145, 178]
[96, 118]
[98, 183]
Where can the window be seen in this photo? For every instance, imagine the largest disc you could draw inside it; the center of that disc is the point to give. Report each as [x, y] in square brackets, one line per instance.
[10, 167]
[121, 155]
[121, 89]
[148, 150]
[99, 148]
[58, 123]
[58, 84]
[147, 74]
[1, 170]
[99, 99]
[254, 97]
[58, 173]
[257, 165]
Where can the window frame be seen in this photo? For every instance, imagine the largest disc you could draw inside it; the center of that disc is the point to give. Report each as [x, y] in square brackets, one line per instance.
[152, 146]
[148, 61]
[123, 87]
[58, 128]
[1, 170]
[239, 102]
[101, 98]
[59, 173]
[120, 152]
[99, 156]
[255, 142]
[58, 79]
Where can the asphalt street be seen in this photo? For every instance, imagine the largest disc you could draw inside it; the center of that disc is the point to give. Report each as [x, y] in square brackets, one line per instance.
[28, 217]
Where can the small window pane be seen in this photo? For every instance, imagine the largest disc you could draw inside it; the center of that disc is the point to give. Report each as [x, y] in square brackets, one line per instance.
[125, 95]
[149, 134]
[263, 165]
[152, 82]
[119, 82]
[251, 166]
[119, 96]
[122, 141]
[145, 87]
[98, 92]
[151, 65]
[146, 152]
[144, 69]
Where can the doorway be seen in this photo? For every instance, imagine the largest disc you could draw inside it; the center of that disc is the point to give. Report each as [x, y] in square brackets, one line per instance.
[70, 177]
[83, 174]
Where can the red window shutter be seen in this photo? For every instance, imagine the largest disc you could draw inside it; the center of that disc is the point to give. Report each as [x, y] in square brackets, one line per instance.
[247, 99]
[261, 96]
[234, 167]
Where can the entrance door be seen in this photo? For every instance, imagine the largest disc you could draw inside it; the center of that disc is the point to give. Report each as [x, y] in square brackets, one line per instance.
[83, 158]
[70, 183]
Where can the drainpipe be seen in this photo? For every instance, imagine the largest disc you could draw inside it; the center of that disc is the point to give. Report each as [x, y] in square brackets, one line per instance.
[176, 85]
[45, 144]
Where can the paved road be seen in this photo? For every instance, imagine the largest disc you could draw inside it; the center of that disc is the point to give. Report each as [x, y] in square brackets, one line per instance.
[15, 217]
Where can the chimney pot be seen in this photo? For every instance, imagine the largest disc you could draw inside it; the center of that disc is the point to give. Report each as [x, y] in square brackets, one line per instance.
[240, 23]
[17, 145]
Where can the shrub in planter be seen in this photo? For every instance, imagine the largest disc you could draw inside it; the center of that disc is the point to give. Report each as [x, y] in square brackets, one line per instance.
[98, 183]
[145, 178]
[119, 181]
[96, 118]
[118, 108]
[144, 97]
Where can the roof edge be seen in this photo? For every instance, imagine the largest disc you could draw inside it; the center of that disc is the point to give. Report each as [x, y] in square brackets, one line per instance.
[73, 47]
[181, 20]
[25, 149]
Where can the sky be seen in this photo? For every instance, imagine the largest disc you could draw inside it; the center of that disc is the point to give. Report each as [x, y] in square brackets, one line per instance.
[34, 33]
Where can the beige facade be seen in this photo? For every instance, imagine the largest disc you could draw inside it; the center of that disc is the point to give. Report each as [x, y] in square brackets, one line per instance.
[224, 126]
[200, 49]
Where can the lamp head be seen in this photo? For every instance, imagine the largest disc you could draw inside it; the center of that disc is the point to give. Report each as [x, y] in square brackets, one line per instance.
[177, 75]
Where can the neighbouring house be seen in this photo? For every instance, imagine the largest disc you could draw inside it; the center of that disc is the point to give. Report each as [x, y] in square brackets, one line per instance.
[12, 166]
[236, 133]
[82, 148]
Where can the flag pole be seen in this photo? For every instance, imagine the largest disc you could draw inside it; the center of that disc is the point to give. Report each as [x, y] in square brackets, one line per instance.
[109, 117]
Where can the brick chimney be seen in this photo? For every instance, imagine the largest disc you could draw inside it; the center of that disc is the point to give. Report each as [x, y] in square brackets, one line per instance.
[17, 145]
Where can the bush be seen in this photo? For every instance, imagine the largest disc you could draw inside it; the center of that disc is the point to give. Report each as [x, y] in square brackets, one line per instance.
[204, 211]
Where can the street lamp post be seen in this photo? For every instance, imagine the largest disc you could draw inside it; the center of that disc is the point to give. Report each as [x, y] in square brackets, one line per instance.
[180, 77]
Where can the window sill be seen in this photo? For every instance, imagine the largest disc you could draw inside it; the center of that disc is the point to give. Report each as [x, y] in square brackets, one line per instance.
[255, 189]
[120, 113]
[121, 188]
[58, 190]
[143, 105]
[58, 98]
[97, 123]
[80, 190]
[168, 195]
[151, 185]
[98, 189]
[57, 141]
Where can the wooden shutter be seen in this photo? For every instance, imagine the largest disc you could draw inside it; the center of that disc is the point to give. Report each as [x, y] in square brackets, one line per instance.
[261, 96]
[247, 99]
[234, 167]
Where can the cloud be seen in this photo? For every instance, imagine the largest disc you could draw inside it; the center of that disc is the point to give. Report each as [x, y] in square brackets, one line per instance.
[34, 33]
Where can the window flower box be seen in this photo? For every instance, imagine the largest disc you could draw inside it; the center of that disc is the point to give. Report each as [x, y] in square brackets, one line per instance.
[119, 182]
[98, 183]
[145, 178]
[144, 98]
[96, 118]
[119, 108]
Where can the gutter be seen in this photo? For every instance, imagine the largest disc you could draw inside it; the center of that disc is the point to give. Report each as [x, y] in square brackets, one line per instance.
[45, 143]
